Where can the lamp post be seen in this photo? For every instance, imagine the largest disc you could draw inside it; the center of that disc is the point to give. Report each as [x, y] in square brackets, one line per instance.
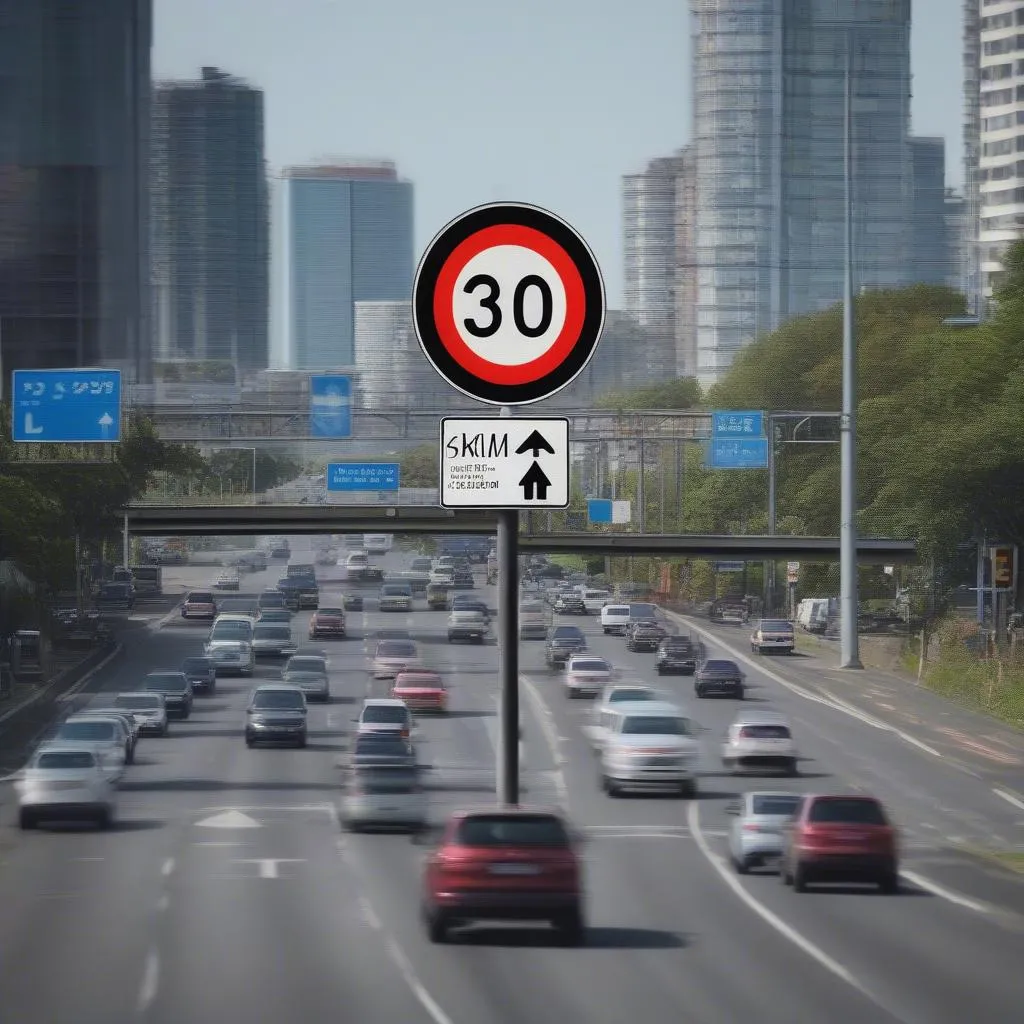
[849, 656]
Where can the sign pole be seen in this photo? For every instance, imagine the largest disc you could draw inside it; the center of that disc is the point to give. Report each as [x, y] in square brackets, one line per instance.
[508, 651]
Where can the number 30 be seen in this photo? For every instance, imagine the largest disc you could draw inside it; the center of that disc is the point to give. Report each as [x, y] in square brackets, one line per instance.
[490, 303]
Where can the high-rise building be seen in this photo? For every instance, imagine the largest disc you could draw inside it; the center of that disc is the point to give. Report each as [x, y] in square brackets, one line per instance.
[970, 266]
[932, 250]
[74, 122]
[686, 266]
[649, 205]
[210, 222]
[956, 233]
[997, 151]
[346, 236]
[769, 132]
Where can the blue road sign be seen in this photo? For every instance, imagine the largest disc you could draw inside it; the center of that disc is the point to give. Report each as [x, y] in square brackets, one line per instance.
[738, 453]
[741, 423]
[66, 406]
[599, 510]
[362, 476]
[330, 406]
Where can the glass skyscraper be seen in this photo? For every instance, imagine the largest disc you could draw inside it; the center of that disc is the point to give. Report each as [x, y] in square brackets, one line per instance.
[210, 222]
[74, 125]
[344, 235]
[769, 136]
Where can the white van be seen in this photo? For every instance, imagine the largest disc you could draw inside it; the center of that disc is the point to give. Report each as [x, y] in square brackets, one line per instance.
[614, 618]
[812, 614]
[595, 600]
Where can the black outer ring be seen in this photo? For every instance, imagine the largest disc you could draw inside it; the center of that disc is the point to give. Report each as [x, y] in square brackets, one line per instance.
[433, 261]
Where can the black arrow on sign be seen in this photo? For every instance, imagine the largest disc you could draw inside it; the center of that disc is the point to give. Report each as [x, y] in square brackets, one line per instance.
[537, 444]
[535, 482]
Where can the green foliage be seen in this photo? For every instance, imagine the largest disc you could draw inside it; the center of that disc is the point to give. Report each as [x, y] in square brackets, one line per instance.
[420, 466]
[679, 393]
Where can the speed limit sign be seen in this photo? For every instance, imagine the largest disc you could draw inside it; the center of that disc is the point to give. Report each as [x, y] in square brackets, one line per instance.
[508, 303]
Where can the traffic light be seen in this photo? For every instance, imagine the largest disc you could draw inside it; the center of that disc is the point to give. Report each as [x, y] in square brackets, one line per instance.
[1002, 566]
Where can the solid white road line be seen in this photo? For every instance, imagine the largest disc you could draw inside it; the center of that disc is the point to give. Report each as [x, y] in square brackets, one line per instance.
[947, 894]
[427, 1001]
[550, 730]
[1009, 798]
[150, 981]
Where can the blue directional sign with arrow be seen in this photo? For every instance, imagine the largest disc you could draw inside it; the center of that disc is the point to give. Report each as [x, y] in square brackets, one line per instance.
[498, 462]
[66, 406]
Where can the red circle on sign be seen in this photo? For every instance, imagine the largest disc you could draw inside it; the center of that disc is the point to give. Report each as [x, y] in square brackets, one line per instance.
[575, 304]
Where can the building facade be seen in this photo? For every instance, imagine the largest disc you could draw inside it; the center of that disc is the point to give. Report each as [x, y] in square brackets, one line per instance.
[346, 237]
[686, 266]
[970, 269]
[73, 172]
[933, 249]
[769, 135]
[210, 222]
[998, 155]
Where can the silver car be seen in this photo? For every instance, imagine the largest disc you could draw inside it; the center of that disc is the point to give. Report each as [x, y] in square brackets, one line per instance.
[383, 796]
[756, 835]
[67, 782]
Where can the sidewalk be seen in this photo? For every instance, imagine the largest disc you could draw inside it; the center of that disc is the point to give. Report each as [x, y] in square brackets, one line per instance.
[979, 744]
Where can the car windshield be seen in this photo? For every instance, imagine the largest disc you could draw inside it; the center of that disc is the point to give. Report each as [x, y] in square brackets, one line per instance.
[62, 760]
[512, 830]
[386, 713]
[142, 702]
[166, 681]
[616, 609]
[775, 805]
[842, 810]
[765, 732]
[395, 590]
[719, 666]
[642, 611]
[567, 633]
[231, 630]
[278, 700]
[276, 615]
[200, 597]
[646, 625]
[426, 679]
[197, 665]
[591, 665]
[776, 626]
[88, 731]
[396, 649]
[623, 696]
[656, 725]
[380, 779]
[329, 613]
[272, 631]
[307, 664]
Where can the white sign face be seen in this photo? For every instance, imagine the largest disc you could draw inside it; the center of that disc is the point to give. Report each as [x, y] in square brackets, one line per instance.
[622, 512]
[491, 462]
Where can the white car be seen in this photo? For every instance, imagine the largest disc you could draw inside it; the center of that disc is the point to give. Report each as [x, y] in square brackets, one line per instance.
[67, 782]
[228, 580]
[125, 724]
[395, 597]
[586, 675]
[595, 600]
[759, 741]
[231, 656]
[105, 739]
[385, 715]
[614, 694]
[651, 745]
[149, 709]
[614, 618]
[383, 796]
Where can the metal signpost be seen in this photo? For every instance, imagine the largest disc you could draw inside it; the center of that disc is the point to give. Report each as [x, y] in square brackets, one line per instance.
[330, 406]
[508, 306]
[66, 406]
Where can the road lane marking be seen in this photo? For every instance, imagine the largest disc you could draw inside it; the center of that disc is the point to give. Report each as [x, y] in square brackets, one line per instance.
[427, 1001]
[268, 865]
[550, 730]
[947, 894]
[163, 903]
[229, 819]
[167, 868]
[1009, 798]
[776, 922]
[150, 981]
[369, 914]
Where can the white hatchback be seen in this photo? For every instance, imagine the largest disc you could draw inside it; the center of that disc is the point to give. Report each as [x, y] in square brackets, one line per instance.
[67, 782]
[586, 675]
[614, 618]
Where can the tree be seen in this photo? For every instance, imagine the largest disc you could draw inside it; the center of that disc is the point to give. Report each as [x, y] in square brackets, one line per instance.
[420, 466]
[679, 393]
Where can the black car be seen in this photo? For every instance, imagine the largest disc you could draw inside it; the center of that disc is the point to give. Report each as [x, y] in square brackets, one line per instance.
[175, 687]
[570, 603]
[276, 713]
[281, 550]
[299, 592]
[381, 748]
[718, 676]
[644, 636]
[466, 603]
[677, 654]
[563, 642]
[462, 579]
[201, 673]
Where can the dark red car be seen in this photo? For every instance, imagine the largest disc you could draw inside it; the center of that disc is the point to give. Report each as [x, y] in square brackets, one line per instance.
[505, 865]
[843, 838]
[327, 623]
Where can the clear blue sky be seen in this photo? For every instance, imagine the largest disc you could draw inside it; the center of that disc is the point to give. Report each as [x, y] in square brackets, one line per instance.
[543, 101]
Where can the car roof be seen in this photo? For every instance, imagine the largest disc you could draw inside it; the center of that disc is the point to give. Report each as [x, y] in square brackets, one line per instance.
[649, 707]
[760, 718]
[148, 694]
[583, 656]
[62, 747]
[286, 687]
[383, 702]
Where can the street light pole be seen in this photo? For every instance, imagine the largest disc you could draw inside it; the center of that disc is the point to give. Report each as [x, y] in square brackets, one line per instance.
[848, 596]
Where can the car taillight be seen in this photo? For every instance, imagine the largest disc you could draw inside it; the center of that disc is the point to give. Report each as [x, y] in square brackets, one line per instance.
[757, 828]
[405, 734]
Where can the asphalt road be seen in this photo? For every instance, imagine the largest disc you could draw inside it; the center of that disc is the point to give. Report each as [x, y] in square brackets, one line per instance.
[228, 892]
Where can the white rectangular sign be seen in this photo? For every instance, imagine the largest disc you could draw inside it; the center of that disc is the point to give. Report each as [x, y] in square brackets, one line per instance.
[492, 462]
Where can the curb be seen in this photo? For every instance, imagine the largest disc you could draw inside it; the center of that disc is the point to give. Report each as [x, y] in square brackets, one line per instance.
[62, 679]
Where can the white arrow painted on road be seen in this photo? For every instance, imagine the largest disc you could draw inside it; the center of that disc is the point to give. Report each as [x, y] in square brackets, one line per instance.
[229, 819]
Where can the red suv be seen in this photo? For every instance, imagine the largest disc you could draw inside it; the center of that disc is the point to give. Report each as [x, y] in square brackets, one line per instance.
[841, 839]
[327, 623]
[505, 865]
